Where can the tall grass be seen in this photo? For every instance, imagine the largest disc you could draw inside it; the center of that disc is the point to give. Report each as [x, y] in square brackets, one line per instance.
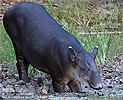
[91, 24]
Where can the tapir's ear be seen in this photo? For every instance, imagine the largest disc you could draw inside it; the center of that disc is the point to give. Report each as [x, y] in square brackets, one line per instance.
[73, 55]
[94, 53]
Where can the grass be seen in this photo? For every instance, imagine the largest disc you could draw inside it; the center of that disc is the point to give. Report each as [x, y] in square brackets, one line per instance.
[6, 47]
[91, 24]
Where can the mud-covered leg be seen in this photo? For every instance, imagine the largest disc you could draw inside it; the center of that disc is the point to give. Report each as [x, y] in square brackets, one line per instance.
[22, 67]
[58, 86]
[75, 86]
[22, 64]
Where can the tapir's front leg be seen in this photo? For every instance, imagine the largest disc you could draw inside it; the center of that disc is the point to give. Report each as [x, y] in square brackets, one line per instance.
[58, 86]
[75, 86]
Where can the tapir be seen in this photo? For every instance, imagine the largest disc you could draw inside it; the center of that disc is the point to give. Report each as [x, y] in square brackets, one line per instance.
[40, 41]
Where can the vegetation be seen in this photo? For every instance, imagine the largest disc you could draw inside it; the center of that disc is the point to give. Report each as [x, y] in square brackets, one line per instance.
[93, 24]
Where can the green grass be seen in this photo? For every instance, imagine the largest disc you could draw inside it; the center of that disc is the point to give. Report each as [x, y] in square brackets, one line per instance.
[6, 47]
[90, 24]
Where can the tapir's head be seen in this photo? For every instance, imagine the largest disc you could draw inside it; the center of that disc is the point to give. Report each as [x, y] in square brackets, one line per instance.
[86, 68]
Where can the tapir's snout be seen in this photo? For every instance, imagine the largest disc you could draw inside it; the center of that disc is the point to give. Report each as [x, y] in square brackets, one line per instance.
[95, 80]
[98, 87]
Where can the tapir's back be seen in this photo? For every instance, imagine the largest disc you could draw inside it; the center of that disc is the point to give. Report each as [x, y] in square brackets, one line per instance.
[29, 17]
[34, 26]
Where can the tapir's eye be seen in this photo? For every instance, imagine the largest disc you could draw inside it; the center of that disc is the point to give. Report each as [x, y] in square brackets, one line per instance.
[84, 70]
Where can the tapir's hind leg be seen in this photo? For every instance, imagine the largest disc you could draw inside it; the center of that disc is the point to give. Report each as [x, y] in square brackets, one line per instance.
[22, 64]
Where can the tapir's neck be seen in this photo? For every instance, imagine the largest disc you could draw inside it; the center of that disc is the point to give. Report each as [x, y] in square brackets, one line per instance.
[73, 42]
